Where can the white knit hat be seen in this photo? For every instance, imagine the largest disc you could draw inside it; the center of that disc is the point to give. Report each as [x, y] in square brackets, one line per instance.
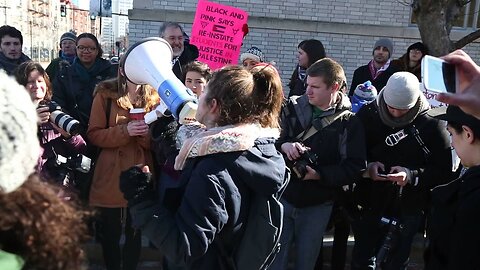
[402, 91]
[19, 146]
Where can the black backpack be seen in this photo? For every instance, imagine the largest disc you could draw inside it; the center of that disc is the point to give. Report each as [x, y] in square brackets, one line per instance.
[261, 239]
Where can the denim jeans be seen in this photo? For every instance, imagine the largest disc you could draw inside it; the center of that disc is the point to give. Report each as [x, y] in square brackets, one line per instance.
[370, 235]
[304, 227]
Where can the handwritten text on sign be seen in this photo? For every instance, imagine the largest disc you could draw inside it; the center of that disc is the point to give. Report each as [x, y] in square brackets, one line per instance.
[217, 32]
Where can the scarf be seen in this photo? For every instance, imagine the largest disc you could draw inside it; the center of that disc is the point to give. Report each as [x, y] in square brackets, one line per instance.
[10, 65]
[68, 58]
[421, 106]
[374, 72]
[197, 141]
[86, 75]
[302, 73]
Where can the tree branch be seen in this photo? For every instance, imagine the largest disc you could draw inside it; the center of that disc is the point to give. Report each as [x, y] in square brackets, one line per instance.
[467, 39]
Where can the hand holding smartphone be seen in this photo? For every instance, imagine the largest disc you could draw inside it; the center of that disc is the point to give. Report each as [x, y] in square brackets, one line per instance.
[438, 75]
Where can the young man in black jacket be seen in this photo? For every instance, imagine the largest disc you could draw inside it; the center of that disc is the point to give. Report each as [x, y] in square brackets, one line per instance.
[319, 129]
[378, 70]
[408, 152]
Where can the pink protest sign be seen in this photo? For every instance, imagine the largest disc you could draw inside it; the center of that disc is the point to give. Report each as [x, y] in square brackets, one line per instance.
[217, 32]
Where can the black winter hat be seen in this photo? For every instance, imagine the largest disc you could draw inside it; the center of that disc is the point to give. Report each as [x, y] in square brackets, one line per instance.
[419, 46]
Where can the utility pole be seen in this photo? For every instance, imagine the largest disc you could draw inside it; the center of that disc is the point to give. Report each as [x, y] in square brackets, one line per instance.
[5, 12]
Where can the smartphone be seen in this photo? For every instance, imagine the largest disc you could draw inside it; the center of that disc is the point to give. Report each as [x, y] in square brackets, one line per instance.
[438, 75]
[382, 175]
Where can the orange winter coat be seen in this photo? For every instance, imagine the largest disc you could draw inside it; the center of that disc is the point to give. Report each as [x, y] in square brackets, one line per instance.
[120, 151]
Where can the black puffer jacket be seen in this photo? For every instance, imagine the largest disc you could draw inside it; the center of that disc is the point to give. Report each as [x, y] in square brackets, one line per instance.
[432, 170]
[338, 144]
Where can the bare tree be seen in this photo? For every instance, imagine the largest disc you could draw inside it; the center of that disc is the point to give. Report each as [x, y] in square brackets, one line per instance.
[434, 19]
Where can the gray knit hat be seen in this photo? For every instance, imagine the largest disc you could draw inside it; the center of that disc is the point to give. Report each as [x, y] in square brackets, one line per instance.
[402, 91]
[68, 36]
[19, 146]
[384, 42]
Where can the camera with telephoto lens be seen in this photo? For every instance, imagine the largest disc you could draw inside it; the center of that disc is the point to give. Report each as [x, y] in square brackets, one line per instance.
[61, 119]
[390, 240]
[300, 165]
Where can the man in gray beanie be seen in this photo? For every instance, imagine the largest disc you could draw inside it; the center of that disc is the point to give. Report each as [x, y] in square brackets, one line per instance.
[68, 52]
[408, 152]
[378, 70]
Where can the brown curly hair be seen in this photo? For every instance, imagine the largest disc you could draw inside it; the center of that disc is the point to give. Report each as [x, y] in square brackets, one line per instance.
[46, 231]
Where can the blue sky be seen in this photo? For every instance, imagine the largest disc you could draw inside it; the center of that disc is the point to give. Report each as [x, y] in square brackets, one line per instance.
[84, 4]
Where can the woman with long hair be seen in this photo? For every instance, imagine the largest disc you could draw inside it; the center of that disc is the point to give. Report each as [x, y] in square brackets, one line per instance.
[54, 140]
[309, 52]
[124, 142]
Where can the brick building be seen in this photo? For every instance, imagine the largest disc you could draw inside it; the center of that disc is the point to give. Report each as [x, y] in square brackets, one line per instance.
[347, 28]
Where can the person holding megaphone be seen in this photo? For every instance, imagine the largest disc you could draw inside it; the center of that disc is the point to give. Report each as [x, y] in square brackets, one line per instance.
[124, 141]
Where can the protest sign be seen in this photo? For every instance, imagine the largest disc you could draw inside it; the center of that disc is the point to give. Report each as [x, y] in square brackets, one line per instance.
[217, 33]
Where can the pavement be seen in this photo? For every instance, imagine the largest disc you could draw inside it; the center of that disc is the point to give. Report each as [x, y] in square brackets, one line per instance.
[151, 259]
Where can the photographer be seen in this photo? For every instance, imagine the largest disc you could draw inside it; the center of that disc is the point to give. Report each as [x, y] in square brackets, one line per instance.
[323, 142]
[54, 140]
[408, 152]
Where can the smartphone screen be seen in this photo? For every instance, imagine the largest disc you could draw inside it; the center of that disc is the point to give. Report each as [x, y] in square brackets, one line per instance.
[438, 75]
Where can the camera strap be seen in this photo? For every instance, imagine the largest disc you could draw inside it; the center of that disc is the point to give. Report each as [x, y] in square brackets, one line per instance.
[395, 138]
[307, 133]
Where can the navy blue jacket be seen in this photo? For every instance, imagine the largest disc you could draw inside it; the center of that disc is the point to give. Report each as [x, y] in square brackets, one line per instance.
[213, 204]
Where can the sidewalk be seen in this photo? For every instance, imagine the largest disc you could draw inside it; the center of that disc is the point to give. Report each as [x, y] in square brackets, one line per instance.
[151, 258]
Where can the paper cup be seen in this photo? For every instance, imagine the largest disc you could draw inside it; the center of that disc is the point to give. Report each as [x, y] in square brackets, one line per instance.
[137, 114]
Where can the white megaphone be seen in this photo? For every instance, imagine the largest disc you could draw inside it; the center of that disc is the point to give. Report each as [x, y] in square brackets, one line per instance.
[149, 62]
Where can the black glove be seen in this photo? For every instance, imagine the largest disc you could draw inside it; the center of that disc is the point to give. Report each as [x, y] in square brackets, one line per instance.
[163, 132]
[136, 186]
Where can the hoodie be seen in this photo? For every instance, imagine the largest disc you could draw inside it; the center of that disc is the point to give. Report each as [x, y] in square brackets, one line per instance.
[213, 203]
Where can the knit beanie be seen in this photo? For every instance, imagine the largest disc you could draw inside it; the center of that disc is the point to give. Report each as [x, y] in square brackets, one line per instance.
[366, 91]
[253, 53]
[385, 42]
[68, 36]
[19, 146]
[402, 90]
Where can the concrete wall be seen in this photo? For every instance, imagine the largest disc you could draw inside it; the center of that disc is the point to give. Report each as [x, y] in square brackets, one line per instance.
[347, 28]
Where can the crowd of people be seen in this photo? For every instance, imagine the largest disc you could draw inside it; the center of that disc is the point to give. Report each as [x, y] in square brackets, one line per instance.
[373, 159]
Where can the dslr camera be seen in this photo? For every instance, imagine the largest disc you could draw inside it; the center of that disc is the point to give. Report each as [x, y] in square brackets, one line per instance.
[300, 165]
[64, 168]
[61, 119]
[78, 163]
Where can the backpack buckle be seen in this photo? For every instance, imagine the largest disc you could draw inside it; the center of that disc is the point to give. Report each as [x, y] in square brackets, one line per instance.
[395, 138]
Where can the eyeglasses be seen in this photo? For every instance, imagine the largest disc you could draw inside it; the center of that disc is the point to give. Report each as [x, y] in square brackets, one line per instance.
[87, 49]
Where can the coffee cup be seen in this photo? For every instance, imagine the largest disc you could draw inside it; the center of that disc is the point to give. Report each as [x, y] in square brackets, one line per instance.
[137, 114]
